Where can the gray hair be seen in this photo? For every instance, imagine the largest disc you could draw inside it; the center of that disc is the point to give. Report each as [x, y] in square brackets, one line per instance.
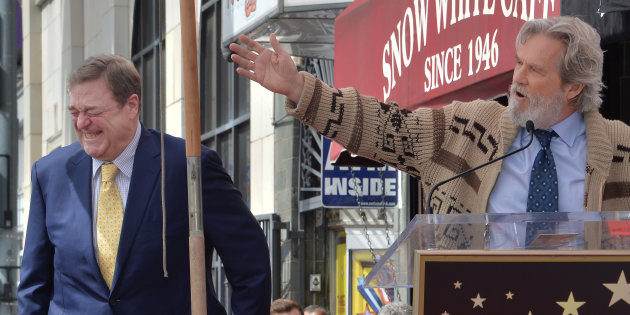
[396, 308]
[582, 61]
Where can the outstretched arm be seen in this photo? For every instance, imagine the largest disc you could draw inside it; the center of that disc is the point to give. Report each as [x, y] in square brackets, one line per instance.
[275, 71]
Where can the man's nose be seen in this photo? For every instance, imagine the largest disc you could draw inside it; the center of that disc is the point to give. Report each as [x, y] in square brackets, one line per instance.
[520, 75]
[83, 121]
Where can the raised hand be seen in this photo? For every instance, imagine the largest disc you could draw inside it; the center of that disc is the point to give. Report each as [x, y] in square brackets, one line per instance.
[275, 71]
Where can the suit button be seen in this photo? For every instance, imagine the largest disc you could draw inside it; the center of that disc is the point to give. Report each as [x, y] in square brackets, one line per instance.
[113, 302]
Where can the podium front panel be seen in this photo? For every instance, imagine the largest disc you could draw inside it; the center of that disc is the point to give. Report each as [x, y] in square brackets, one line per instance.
[521, 282]
[565, 231]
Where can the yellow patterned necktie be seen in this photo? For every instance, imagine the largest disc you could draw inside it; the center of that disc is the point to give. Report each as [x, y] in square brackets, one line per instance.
[108, 222]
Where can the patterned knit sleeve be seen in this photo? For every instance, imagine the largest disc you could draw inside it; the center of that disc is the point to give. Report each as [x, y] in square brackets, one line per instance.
[382, 132]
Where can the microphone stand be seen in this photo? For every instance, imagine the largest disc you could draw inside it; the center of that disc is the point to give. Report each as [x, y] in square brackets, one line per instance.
[529, 125]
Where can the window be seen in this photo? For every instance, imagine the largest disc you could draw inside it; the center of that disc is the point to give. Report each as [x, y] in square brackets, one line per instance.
[224, 103]
[144, 54]
[311, 145]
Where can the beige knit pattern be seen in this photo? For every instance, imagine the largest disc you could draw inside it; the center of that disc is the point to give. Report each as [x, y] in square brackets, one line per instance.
[109, 222]
[434, 144]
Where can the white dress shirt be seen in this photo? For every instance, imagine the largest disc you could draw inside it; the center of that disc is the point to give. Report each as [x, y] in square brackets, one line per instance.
[124, 162]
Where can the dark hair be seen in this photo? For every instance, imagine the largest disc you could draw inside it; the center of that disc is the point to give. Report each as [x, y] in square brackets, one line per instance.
[284, 305]
[120, 75]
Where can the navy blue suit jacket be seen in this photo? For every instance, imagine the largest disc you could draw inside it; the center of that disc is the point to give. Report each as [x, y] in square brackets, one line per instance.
[60, 274]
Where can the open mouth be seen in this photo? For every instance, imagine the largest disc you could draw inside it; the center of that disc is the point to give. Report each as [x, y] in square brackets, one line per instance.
[91, 135]
[519, 96]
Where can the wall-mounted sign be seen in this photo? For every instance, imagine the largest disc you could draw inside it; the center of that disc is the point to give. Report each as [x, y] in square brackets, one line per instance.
[343, 186]
[415, 51]
[315, 282]
[239, 16]
[311, 3]
[242, 16]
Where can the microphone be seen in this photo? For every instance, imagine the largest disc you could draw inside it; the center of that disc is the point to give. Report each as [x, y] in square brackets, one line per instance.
[529, 126]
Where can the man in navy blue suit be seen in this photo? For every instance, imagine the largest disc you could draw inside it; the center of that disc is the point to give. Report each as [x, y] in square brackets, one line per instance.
[66, 253]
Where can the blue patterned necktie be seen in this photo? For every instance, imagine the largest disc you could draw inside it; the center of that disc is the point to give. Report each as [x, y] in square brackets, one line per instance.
[543, 184]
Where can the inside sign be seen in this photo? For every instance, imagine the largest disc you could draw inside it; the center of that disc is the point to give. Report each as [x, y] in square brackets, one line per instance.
[344, 186]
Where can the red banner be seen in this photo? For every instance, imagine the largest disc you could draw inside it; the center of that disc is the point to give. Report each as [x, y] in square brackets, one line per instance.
[431, 51]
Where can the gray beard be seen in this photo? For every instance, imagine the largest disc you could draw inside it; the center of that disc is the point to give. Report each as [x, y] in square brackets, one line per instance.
[544, 112]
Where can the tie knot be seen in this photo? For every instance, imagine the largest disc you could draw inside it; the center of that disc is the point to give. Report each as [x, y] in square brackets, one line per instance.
[544, 137]
[108, 172]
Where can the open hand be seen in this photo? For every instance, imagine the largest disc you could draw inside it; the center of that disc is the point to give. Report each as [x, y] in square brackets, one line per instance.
[275, 71]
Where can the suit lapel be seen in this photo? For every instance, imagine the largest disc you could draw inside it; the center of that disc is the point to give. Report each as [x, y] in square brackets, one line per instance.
[79, 170]
[146, 168]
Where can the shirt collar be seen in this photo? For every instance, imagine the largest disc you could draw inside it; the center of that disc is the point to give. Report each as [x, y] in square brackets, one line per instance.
[568, 129]
[124, 161]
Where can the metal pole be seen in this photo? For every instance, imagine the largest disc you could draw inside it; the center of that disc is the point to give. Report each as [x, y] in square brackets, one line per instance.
[8, 221]
[8, 147]
[8, 106]
[193, 157]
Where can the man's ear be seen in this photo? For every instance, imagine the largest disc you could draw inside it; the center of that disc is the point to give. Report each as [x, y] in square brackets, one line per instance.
[574, 89]
[133, 104]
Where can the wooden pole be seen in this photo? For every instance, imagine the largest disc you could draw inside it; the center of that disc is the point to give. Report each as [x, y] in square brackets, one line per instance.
[193, 158]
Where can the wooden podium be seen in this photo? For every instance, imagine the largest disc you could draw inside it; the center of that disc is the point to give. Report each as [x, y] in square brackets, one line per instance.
[578, 263]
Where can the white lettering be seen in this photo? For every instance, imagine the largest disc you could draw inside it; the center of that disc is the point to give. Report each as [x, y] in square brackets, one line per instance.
[387, 73]
[546, 7]
[453, 20]
[443, 67]
[457, 62]
[506, 10]
[440, 12]
[463, 14]
[390, 187]
[448, 52]
[398, 51]
[421, 17]
[476, 10]
[488, 10]
[436, 68]
[515, 11]
[427, 74]
[524, 16]
[356, 186]
[376, 186]
[336, 186]
[407, 24]
[395, 46]
[368, 186]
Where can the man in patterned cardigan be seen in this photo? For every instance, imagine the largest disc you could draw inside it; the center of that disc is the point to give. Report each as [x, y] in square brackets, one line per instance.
[556, 84]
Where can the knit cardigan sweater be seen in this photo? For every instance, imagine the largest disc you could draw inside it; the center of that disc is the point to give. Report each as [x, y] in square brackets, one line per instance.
[434, 144]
